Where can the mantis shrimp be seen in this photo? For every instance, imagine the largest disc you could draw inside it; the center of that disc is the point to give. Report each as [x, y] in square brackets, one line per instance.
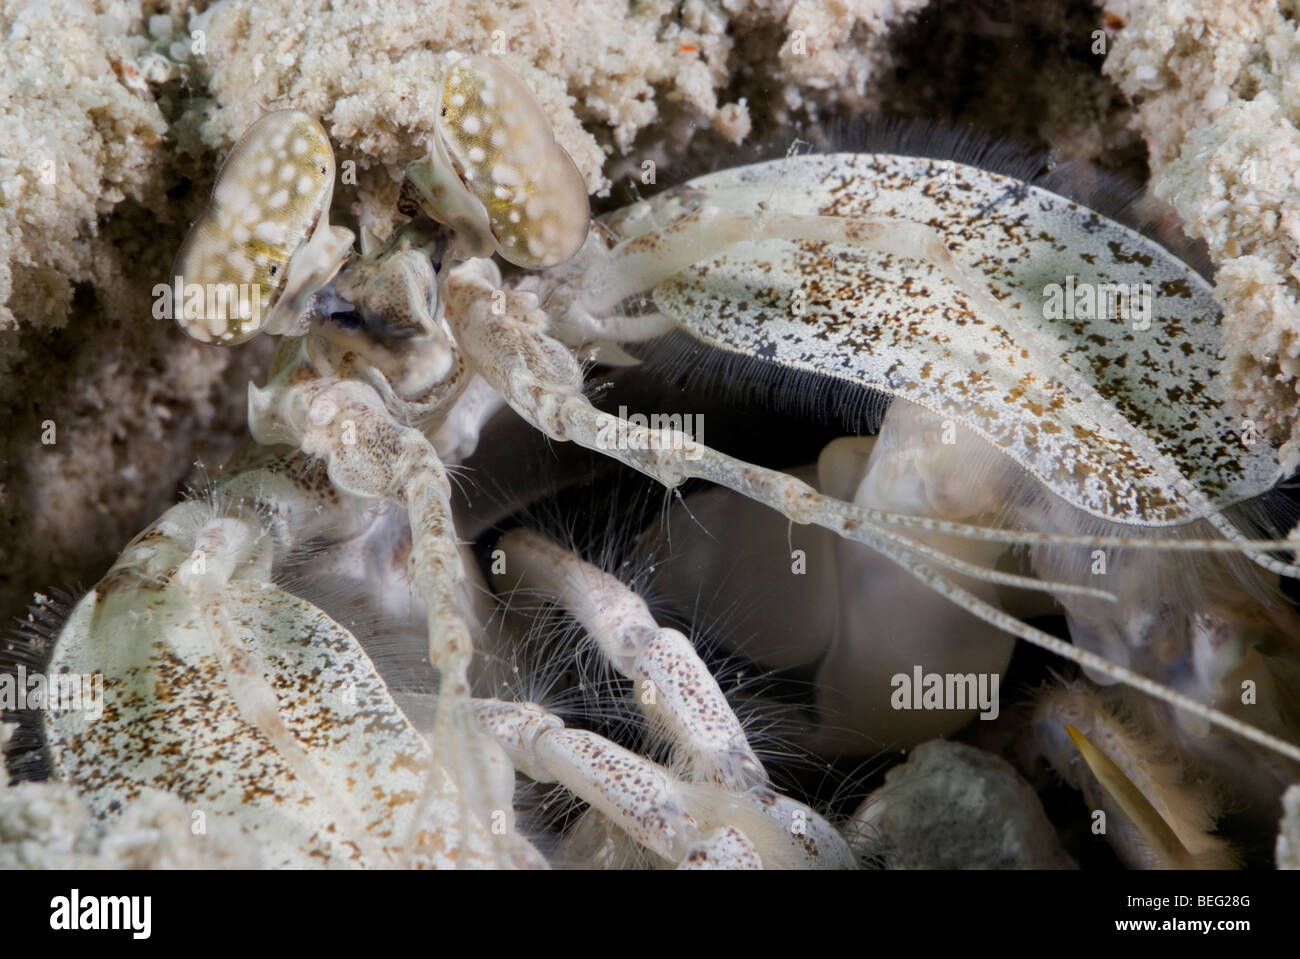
[869, 270]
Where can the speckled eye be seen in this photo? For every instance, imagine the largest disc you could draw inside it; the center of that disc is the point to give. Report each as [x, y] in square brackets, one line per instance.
[495, 173]
[264, 243]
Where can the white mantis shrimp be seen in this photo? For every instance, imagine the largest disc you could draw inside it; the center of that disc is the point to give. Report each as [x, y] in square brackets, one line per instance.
[252, 703]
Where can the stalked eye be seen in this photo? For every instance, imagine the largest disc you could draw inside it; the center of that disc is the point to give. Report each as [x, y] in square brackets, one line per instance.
[495, 173]
[264, 243]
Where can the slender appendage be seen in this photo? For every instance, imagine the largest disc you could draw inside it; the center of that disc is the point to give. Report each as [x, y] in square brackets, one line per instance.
[1136, 806]
[516, 357]
[672, 685]
[995, 616]
[542, 382]
[636, 794]
[672, 818]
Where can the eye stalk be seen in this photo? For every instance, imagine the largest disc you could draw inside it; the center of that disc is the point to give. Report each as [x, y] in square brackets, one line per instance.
[495, 174]
[264, 244]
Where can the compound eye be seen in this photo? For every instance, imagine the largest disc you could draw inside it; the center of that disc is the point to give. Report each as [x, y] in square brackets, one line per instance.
[248, 258]
[501, 144]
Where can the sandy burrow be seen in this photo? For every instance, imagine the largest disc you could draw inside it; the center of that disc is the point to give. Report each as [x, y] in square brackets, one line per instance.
[1216, 91]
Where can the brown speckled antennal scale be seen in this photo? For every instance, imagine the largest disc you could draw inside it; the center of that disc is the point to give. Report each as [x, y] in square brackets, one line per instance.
[1121, 413]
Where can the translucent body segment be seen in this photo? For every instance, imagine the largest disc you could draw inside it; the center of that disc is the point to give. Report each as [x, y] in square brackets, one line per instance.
[271, 195]
[897, 324]
[496, 136]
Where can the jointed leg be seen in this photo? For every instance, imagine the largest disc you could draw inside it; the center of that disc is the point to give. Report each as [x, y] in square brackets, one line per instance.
[673, 686]
[674, 819]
